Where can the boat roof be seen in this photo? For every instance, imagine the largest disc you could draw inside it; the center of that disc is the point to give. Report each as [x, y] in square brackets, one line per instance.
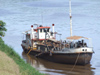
[76, 37]
[42, 27]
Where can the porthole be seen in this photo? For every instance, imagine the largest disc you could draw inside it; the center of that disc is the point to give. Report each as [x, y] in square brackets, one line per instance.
[83, 50]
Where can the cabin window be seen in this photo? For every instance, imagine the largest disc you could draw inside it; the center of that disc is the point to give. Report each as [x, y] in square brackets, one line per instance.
[40, 30]
[44, 30]
[48, 30]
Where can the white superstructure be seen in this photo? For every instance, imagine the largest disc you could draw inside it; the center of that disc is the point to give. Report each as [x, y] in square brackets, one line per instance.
[40, 33]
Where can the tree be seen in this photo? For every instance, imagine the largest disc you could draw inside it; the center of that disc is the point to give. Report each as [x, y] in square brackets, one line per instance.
[2, 28]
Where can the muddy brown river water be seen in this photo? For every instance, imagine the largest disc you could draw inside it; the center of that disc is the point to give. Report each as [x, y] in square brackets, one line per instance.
[57, 69]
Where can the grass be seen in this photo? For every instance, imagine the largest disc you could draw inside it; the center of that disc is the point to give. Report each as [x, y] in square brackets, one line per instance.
[24, 68]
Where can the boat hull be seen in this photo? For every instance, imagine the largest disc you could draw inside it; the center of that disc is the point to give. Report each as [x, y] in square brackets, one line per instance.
[73, 58]
[65, 58]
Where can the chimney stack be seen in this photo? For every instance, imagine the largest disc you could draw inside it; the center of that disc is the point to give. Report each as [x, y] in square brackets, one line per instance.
[32, 34]
[53, 30]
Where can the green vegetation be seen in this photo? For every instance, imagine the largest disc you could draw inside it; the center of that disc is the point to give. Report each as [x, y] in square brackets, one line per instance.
[2, 28]
[25, 69]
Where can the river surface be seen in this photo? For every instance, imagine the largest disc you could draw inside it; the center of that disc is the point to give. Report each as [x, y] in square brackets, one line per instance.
[19, 15]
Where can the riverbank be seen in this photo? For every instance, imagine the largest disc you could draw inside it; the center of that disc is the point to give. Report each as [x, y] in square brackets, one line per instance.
[22, 67]
[7, 65]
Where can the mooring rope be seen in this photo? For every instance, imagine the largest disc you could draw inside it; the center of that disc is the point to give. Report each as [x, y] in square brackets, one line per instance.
[75, 63]
[29, 51]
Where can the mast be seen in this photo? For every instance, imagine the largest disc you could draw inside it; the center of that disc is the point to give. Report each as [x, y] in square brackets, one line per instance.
[70, 17]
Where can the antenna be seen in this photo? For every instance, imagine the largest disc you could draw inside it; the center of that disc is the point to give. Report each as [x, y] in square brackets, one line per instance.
[41, 12]
[70, 18]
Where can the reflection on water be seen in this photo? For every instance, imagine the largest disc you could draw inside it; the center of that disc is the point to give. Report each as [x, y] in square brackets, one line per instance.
[55, 68]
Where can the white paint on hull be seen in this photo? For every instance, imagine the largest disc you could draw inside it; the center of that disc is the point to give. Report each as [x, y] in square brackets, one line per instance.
[76, 50]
